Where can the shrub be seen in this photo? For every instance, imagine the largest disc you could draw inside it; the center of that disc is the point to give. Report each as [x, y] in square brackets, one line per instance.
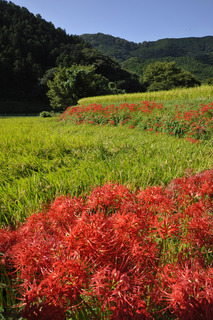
[45, 114]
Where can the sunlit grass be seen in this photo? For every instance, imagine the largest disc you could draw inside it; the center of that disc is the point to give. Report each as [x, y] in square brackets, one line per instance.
[203, 93]
[42, 159]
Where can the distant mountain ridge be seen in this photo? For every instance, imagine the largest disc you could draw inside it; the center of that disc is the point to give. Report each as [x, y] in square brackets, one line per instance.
[194, 54]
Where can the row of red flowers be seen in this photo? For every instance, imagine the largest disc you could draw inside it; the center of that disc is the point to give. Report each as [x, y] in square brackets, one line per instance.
[195, 125]
[130, 255]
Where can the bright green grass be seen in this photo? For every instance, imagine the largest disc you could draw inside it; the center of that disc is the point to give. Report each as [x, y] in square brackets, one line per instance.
[203, 94]
[41, 159]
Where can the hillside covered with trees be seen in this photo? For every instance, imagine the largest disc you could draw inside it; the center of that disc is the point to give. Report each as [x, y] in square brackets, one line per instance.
[30, 49]
[36, 57]
[192, 54]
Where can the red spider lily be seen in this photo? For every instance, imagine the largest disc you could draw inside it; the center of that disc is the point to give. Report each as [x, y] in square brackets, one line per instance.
[155, 201]
[200, 231]
[93, 240]
[196, 187]
[8, 238]
[63, 283]
[110, 283]
[64, 212]
[193, 140]
[167, 227]
[32, 256]
[43, 311]
[207, 108]
[110, 198]
[194, 125]
[107, 249]
[120, 293]
[190, 293]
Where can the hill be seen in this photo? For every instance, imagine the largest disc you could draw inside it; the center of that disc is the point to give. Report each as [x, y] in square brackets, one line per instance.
[192, 54]
[30, 47]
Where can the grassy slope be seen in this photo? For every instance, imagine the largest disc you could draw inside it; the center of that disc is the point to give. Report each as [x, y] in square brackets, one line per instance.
[41, 159]
[202, 94]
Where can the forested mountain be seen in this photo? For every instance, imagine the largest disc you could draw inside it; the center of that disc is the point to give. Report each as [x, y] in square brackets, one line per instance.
[192, 54]
[30, 47]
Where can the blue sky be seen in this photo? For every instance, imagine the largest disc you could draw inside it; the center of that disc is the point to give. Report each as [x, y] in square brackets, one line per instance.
[133, 20]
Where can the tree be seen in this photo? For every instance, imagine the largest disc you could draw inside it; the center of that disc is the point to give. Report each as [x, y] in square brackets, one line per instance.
[71, 84]
[166, 75]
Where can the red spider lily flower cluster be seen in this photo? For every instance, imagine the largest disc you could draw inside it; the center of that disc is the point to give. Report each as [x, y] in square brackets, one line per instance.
[194, 125]
[129, 254]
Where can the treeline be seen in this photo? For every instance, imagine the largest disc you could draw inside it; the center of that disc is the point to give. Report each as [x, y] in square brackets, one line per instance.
[30, 49]
[192, 54]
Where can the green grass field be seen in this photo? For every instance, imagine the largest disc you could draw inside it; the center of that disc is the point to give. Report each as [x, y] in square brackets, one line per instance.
[41, 159]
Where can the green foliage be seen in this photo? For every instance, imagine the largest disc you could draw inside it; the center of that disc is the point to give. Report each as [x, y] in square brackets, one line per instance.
[209, 81]
[7, 294]
[165, 76]
[30, 49]
[201, 69]
[45, 114]
[71, 84]
[191, 54]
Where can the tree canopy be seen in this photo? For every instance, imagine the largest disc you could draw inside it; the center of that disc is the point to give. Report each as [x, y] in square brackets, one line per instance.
[165, 76]
[71, 84]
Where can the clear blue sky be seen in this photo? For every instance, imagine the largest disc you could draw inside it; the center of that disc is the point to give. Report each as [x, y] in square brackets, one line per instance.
[133, 20]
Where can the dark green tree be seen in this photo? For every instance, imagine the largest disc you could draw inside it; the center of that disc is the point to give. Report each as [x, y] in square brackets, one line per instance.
[166, 75]
[71, 84]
